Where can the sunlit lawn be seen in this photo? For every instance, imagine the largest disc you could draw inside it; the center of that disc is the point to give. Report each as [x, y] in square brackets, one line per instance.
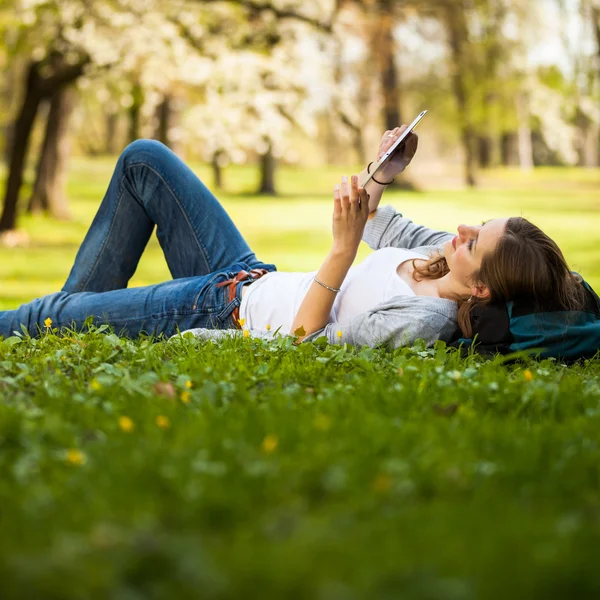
[293, 230]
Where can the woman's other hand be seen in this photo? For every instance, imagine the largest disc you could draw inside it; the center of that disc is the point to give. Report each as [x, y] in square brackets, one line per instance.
[401, 157]
[350, 214]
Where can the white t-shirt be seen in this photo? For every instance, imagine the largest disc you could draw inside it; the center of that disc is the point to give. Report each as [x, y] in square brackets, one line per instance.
[276, 297]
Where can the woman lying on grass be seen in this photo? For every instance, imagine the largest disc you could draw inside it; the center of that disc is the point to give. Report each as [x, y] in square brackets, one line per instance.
[419, 283]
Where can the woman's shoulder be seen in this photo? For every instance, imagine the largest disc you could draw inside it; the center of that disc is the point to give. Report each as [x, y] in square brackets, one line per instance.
[420, 305]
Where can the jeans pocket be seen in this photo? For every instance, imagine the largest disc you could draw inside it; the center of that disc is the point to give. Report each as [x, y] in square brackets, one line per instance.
[214, 302]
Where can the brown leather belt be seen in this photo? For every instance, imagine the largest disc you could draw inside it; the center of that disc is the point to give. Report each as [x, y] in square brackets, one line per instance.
[232, 283]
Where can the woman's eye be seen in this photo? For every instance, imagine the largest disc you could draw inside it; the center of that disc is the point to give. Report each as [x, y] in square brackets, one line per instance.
[471, 242]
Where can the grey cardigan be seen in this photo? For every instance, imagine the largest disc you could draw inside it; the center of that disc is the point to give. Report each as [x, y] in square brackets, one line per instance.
[400, 320]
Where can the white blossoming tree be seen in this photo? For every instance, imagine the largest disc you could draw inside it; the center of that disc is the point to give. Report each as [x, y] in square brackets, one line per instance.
[157, 47]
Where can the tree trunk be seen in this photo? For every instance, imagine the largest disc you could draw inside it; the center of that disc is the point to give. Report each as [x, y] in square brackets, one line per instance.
[590, 146]
[357, 137]
[217, 170]
[9, 132]
[485, 151]
[20, 145]
[267, 171]
[135, 113]
[163, 114]
[49, 191]
[111, 142]
[510, 149]
[60, 73]
[385, 45]
[457, 38]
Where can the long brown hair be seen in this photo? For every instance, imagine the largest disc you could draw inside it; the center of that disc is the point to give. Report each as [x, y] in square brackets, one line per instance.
[526, 264]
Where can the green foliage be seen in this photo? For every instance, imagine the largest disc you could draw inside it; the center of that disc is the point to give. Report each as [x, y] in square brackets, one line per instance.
[249, 468]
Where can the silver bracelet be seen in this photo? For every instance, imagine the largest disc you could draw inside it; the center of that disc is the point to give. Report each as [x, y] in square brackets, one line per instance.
[326, 286]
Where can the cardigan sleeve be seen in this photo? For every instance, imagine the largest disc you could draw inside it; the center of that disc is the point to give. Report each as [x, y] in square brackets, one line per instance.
[398, 322]
[388, 228]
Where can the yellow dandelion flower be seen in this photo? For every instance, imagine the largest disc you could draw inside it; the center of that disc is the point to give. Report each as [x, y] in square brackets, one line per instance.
[185, 397]
[268, 327]
[242, 322]
[528, 375]
[339, 333]
[269, 444]
[95, 384]
[163, 422]
[75, 457]
[48, 322]
[126, 424]
[246, 333]
[188, 384]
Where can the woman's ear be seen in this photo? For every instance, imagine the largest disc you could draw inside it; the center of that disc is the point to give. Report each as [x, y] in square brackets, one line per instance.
[481, 291]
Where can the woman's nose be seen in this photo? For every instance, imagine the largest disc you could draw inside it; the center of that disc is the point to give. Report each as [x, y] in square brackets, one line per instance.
[467, 231]
[463, 232]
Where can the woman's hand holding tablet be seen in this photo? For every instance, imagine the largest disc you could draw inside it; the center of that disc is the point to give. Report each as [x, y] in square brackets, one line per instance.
[396, 150]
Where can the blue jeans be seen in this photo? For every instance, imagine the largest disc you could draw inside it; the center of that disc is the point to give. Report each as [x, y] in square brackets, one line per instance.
[150, 186]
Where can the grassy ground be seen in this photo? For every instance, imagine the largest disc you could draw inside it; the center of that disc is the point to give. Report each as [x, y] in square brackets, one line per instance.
[182, 469]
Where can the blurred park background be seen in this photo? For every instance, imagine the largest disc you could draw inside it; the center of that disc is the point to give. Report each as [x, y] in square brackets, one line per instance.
[271, 102]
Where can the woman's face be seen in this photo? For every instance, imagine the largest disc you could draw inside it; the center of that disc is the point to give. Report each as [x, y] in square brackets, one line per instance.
[465, 251]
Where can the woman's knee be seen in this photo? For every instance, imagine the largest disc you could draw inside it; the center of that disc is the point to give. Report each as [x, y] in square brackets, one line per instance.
[144, 151]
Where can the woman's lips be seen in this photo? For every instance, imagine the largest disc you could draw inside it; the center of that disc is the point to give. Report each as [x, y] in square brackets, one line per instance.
[454, 241]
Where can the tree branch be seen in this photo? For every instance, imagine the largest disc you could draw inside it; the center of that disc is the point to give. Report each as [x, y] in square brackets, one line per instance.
[280, 13]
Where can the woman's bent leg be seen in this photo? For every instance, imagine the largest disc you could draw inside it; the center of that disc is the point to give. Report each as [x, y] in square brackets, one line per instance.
[151, 185]
[164, 308]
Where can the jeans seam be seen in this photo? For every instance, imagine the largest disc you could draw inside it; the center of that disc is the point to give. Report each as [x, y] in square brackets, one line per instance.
[165, 181]
[104, 241]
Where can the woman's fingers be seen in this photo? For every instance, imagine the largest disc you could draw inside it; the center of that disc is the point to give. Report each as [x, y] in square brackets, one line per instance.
[349, 195]
[354, 191]
[337, 199]
[345, 192]
[389, 139]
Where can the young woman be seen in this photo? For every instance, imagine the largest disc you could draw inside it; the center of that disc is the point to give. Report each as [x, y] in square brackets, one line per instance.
[419, 283]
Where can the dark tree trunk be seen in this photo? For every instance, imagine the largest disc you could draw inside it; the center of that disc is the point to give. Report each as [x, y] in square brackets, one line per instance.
[485, 151]
[20, 145]
[49, 193]
[457, 38]
[267, 172]
[510, 149]
[9, 132]
[390, 86]
[163, 114]
[217, 170]
[111, 143]
[57, 73]
[135, 113]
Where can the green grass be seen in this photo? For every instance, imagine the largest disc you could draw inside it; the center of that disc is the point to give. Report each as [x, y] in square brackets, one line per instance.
[294, 472]
[308, 471]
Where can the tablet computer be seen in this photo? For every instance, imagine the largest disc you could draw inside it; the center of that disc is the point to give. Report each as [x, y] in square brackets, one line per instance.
[375, 167]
